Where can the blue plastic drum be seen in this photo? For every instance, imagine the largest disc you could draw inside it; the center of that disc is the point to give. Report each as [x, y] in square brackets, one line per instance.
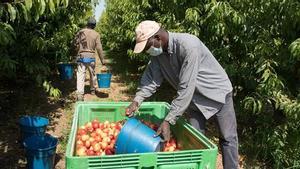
[136, 137]
[33, 126]
[40, 151]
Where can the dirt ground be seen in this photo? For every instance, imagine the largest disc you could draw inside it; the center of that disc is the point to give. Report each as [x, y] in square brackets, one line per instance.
[60, 113]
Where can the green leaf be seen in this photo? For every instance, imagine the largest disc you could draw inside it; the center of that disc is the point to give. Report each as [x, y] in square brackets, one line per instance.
[261, 68]
[25, 12]
[1, 10]
[7, 64]
[66, 2]
[7, 34]
[51, 6]
[266, 75]
[254, 108]
[42, 7]
[28, 4]
[36, 17]
[57, 3]
[259, 105]
[48, 87]
[12, 12]
[295, 49]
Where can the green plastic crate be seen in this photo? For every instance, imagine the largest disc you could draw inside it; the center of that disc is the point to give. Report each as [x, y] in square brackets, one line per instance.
[198, 153]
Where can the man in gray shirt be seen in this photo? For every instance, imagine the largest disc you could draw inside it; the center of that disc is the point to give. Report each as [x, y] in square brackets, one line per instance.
[203, 87]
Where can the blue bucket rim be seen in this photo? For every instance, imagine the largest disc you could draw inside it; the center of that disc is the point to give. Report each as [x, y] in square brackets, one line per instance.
[21, 120]
[40, 137]
[122, 130]
[98, 74]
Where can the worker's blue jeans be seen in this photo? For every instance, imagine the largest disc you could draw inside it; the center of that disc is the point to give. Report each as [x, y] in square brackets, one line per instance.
[226, 122]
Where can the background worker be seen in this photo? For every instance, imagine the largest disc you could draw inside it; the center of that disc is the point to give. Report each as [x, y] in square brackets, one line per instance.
[87, 41]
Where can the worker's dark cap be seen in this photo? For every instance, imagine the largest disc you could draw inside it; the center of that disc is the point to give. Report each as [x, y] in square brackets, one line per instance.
[91, 21]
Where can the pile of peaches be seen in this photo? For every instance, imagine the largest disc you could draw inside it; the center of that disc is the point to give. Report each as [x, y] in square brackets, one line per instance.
[98, 138]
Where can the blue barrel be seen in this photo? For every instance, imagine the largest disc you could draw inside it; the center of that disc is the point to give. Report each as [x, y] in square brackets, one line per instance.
[136, 137]
[65, 71]
[32, 125]
[40, 151]
[104, 80]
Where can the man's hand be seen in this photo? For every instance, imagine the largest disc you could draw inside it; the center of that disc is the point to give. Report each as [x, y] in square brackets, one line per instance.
[164, 130]
[103, 68]
[131, 109]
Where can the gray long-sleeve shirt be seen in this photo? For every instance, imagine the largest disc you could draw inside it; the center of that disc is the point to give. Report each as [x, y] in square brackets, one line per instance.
[193, 71]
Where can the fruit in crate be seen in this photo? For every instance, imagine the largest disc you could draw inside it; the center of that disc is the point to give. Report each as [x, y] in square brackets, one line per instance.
[97, 138]
[171, 146]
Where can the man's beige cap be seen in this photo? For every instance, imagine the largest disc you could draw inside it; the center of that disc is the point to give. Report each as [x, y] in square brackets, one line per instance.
[143, 32]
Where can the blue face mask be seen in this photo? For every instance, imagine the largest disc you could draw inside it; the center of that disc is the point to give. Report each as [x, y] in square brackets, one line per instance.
[153, 51]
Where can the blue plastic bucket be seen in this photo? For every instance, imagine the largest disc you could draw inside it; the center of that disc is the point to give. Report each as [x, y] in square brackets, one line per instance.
[65, 71]
[136, 137]
[40, 151]
[104, 80]
[32, 126]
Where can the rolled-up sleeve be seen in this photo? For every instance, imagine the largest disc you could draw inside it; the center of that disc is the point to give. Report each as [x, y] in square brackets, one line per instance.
[150, 81]
[186, 87]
